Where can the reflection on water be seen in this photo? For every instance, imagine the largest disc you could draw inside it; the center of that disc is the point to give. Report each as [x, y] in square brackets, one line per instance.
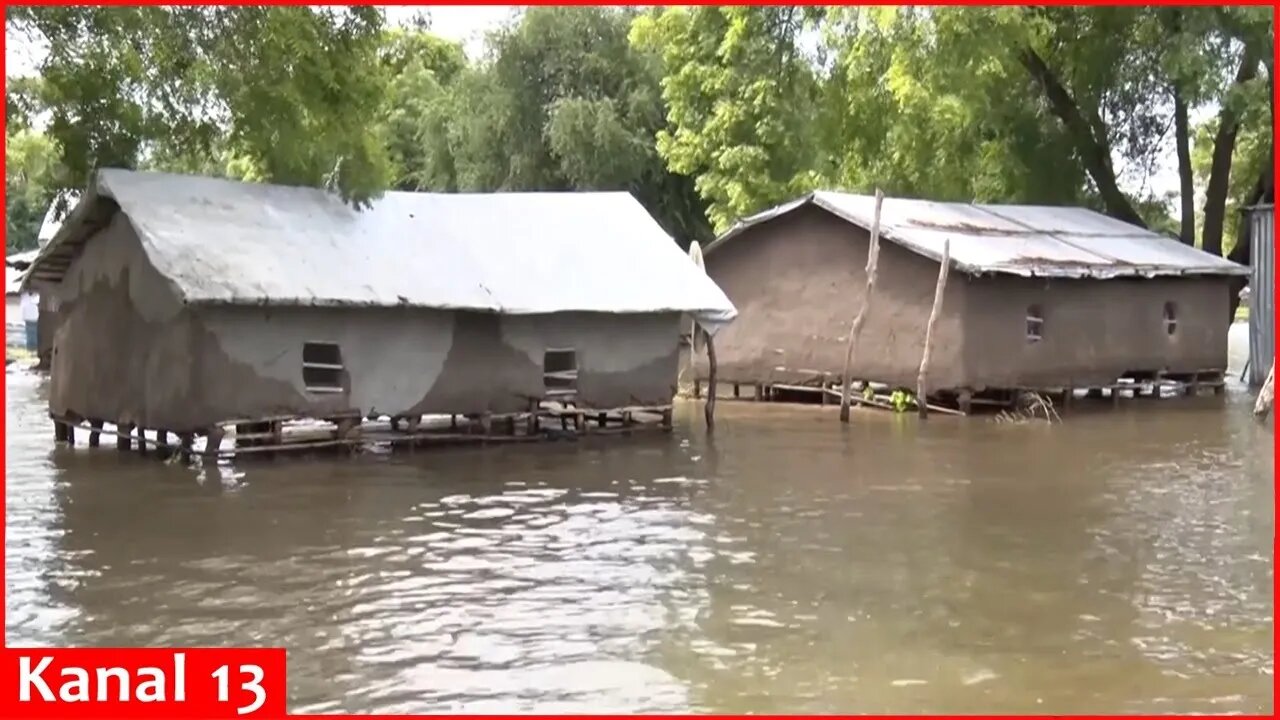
[1119, 562]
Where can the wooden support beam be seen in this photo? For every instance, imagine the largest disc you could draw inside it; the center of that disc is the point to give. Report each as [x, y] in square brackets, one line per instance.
[710, 410]
[142, 440]
[95, 432]
[855, 329]
[922, 380]
[213, 440]
[123, 431]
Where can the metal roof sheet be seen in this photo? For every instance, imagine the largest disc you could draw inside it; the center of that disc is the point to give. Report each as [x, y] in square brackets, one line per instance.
[222, 241]
[12, 280]
[1026, 240]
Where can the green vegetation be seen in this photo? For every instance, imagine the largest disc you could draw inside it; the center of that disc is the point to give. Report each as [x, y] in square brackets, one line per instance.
[704, 113]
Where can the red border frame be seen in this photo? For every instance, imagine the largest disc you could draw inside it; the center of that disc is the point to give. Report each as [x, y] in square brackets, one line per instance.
[1276, 160]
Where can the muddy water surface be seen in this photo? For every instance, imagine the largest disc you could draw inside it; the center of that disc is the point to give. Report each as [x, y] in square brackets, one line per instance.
[1119, 562]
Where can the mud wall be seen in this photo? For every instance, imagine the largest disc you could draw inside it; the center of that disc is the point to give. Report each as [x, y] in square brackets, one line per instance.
[126, 349]
[416, 361]
[1094, 330]
[120, 348]
[797, 282]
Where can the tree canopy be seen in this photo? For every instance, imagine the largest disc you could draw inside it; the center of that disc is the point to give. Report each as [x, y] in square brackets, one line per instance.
[704, 113]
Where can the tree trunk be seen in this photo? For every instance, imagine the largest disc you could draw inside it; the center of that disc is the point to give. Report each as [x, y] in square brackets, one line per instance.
[1242, 253]
[1186, 180]
[1094, 151]
[1224, 146]
[922, 380]
[873, 254]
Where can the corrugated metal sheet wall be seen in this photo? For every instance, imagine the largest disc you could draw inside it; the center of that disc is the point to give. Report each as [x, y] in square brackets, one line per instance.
[1262, 293]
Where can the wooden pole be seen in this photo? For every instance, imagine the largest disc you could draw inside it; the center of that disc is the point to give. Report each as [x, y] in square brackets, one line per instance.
[1267, 395]
[855, 329]
[922, 380]
[711, 384]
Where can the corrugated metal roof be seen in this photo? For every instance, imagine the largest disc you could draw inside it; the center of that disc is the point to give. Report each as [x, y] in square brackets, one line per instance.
[12, 280]
[1026, 240]
[22, 259]
[222, 241]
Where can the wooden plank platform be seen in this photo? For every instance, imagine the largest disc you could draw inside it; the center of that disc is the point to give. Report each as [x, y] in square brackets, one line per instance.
[825, 389]
[552, 420]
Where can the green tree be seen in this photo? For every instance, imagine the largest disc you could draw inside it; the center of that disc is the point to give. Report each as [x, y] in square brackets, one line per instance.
[31, 183]
[579, 109]
[421, 68]
[744, 106]
[292, 94]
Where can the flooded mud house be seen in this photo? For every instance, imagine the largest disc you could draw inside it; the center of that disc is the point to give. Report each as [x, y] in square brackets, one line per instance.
[1038, 298]
[186, 304]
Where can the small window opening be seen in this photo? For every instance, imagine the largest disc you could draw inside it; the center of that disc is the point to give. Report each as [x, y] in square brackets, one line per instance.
[1035, 324]
[322, 367]
[560, 371]
[1170, 318]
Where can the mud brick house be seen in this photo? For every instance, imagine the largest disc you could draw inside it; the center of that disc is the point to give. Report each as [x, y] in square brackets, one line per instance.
[187, 302]
[1038, 297]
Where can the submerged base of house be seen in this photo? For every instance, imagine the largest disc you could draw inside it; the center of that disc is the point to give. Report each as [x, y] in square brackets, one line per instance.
[827, 390]
[550, 421]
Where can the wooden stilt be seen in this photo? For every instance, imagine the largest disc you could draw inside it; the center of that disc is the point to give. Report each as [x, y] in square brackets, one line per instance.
[95, 432]
[737, 393]
[185, 441]
[666, 418]
[213, 440]
[710, 409]
[1094, 393]
[922, 380]
[123, 439]
[59, 431]
[697, 387]
[855, 329]
[759, 392]
[142, 440]
[162, 439]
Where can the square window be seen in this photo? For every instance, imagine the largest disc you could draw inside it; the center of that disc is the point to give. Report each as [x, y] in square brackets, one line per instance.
[560, 371]
[322, 367]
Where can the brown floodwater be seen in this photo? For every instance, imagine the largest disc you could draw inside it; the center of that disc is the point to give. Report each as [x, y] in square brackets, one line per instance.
[1118, 562]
